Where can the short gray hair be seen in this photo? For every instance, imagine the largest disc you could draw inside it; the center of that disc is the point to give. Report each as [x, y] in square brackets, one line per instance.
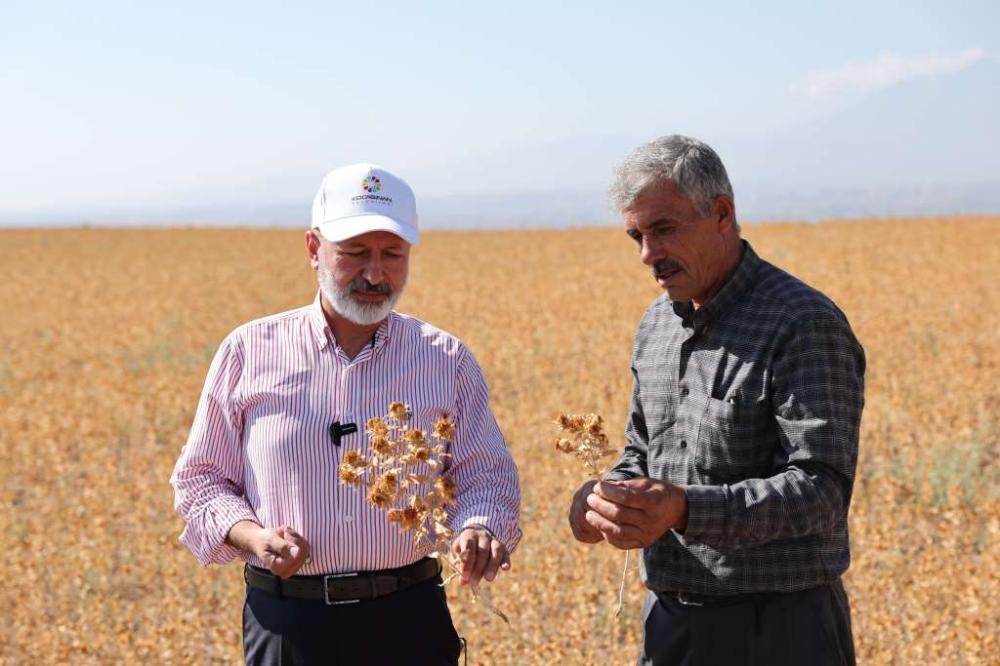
[692, 165]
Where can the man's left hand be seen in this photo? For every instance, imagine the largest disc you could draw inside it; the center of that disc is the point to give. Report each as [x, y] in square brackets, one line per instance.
[636, 512]
[482, 555]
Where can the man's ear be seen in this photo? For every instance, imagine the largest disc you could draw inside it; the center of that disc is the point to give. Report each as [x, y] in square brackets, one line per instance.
[312, 248]
[724, 211]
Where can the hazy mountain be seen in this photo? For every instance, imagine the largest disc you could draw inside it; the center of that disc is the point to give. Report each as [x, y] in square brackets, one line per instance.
[924, 146]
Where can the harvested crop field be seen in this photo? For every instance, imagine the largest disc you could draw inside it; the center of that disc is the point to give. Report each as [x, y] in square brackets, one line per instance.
[106, 336]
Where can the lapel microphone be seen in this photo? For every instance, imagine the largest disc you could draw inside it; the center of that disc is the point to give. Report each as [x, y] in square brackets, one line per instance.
[338, 430]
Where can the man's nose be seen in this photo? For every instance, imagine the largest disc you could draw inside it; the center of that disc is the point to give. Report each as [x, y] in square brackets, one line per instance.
[649, 253]
[373, 271]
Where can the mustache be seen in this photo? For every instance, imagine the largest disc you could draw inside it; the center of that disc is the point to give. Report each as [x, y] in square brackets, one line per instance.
[361, 284]
[665, 266]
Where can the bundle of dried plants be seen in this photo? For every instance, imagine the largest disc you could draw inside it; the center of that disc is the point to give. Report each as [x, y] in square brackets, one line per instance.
[584, 437]
[404, 476]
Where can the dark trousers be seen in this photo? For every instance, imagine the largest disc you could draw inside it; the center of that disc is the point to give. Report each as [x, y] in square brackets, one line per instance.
[412, 626]
[811, 627]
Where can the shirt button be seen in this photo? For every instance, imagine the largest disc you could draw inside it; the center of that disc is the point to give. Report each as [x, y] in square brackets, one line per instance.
[348, 519]
[684, 443]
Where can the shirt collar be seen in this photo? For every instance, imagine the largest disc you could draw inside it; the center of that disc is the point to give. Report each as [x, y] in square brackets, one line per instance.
[321, 328]
[324, 335]
[382, 333]
[730, 293]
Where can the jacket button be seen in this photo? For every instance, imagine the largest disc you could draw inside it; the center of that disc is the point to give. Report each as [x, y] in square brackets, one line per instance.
[684, 443]
[684, 390]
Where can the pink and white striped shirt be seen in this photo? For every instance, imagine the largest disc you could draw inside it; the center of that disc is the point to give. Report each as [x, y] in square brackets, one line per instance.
[260, 447]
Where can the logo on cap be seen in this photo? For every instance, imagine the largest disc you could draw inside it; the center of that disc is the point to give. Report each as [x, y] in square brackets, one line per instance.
[371, 184]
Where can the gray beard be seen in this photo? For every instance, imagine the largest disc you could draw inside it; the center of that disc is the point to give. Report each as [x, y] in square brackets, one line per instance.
[344, 304]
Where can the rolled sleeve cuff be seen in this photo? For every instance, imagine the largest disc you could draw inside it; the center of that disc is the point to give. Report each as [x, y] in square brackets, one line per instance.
[209, 542]
[706, 509]
[617, 475]
[507, 532]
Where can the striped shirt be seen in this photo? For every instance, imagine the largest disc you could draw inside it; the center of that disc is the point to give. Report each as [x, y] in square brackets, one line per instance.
[260, 447]
[752, 403]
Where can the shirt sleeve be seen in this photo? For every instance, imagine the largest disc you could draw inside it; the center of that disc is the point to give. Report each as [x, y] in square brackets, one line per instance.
[489, 492]
[208, 477]
[632, 463]
[818, 394]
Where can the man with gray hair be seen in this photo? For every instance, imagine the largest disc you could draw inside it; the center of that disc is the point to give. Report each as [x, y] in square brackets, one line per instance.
[742, 441]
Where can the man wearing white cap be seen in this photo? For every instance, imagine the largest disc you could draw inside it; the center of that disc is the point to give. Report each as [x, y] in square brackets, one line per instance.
[329, 579]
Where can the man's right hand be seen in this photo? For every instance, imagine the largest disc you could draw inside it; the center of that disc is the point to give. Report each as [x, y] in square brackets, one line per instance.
[282, 550]
[582, 530]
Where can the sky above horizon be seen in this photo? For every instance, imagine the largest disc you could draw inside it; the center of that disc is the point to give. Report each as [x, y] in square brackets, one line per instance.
[116, 105]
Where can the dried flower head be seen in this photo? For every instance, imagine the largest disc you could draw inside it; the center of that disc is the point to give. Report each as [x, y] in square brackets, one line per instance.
[400, 411]
[350, 474]
[352, 468]
[586, 439]
[377, 428]
[389, 480]
[381, 445]
[354, 458]
[446, 488]
[415, 437]
[384, 490]
[570, 422]
[408, 518]
[444, 429]
[379, 497]
[594, 425]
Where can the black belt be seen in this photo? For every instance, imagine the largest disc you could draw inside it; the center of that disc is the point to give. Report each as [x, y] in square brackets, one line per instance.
[343, 588]
[714, 600]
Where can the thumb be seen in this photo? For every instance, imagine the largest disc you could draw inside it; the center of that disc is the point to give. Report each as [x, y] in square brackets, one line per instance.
[280, 548]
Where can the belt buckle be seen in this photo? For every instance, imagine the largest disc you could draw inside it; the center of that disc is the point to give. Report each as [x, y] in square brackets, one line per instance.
[685, 600]
[326, 589]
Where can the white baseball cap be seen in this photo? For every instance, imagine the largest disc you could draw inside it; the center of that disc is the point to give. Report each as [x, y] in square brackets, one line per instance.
[359, 198]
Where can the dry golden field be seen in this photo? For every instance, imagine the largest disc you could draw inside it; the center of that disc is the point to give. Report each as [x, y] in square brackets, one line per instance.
[106, 337]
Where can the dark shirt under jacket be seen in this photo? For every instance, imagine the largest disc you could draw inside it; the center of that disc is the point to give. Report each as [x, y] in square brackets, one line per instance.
[753, 404]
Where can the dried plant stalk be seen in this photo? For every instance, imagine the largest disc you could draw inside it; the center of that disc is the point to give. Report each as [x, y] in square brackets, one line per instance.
[403, 477]
[587, 441]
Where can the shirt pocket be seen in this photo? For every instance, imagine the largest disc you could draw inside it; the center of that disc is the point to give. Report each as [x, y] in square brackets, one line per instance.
[733, 439]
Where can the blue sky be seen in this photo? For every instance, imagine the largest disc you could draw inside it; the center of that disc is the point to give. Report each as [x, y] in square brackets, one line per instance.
[139, 107]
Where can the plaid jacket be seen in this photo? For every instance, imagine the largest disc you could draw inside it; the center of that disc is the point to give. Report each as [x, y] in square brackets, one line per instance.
[753, 404]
